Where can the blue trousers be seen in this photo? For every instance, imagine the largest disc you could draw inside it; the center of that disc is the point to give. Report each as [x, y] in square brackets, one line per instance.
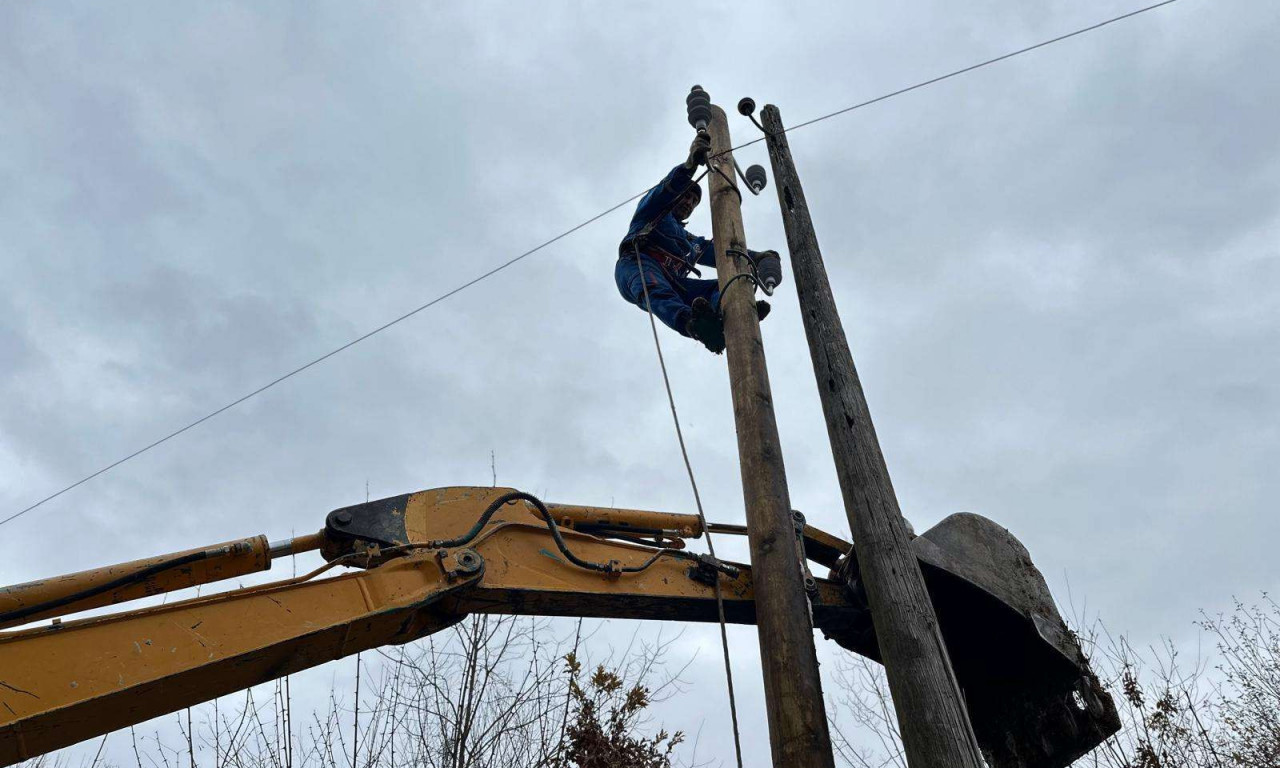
[668, 295]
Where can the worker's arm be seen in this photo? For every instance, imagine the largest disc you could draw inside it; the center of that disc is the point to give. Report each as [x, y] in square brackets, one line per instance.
[705, 249]
[658, 200]
[678, 180]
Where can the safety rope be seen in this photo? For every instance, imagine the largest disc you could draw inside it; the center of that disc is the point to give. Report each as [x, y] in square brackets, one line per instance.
[697, 498]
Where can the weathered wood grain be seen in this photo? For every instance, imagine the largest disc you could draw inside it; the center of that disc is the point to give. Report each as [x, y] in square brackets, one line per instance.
[935, 726]
[793, 690]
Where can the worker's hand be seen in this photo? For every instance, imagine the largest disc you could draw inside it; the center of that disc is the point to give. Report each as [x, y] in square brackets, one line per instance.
[698, 150]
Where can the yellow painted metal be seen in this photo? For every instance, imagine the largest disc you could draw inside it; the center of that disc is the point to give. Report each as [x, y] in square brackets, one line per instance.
[687, 526]
[66, 683]
[442, 513]
[823, 547]
[62, 684]
[819, 546]
[525, 574]
[201, 566]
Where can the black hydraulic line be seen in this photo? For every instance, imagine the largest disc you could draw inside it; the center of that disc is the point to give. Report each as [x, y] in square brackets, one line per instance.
[625, 537]
[649, 537]
[192, 557]
[608, 529]
[741, 275]
[590, 565]
[481, 522]
[116, 583]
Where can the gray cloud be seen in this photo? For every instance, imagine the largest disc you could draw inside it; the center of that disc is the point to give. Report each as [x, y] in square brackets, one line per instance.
[1059, 275]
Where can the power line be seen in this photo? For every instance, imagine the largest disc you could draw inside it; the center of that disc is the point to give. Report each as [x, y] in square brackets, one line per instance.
[966, 70]
[555, 239]
[323, 357]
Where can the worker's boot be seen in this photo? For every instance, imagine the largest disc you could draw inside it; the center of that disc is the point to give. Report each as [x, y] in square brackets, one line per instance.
[762, 310]
[705, 325]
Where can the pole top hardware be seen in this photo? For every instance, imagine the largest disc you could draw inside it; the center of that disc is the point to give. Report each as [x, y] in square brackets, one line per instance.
[698, 104]
[747, 108]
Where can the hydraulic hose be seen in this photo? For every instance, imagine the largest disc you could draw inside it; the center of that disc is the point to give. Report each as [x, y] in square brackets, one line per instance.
[590, 565]
[15, 617]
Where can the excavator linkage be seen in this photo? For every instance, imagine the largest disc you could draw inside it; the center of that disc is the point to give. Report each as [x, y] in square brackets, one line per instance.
[423, 561]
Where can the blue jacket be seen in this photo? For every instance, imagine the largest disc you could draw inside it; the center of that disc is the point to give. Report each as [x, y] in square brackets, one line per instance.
[660, 235]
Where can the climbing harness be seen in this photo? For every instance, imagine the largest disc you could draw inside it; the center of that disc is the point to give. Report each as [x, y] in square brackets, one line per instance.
[649, 225]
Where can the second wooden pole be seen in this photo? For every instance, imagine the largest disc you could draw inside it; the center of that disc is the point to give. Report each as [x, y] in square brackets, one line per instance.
[932, 718]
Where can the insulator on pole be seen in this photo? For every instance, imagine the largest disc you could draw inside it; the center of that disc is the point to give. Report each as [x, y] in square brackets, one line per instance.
[768, 270]
[698, 103]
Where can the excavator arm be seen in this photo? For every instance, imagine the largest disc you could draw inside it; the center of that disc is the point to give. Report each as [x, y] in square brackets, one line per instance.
[422, 562]
[73, 680]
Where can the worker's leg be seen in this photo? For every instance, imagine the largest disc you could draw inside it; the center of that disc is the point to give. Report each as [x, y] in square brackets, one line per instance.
[668, 304]
[710, 290]
[707, 289]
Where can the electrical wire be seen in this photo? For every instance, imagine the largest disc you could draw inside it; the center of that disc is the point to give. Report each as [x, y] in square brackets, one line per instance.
[555, 239]
[957, 73]
[325, 356]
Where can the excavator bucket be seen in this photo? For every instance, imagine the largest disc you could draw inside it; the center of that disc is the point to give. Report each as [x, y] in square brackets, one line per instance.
[1031, 696]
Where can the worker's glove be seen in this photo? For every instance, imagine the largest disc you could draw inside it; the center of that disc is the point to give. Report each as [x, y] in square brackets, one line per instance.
[698, 150]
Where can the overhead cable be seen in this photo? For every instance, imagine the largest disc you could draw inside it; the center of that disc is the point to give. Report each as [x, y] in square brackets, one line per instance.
[555, 239]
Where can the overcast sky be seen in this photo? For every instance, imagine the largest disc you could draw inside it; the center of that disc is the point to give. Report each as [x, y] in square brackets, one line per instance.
[1059, 274]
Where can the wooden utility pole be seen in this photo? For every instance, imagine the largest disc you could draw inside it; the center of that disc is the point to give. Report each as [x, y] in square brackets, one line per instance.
[935, 727]
[793, 691]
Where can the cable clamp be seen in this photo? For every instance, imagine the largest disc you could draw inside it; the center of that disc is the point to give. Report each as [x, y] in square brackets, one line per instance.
[714, 166]
[751, 276]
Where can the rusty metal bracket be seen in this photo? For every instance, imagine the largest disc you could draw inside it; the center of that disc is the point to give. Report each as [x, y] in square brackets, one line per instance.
[798, 523]
[457, 564]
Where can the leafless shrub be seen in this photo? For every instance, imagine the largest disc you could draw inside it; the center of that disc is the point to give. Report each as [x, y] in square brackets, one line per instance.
[491, 692]
[1220, 712]
[1164, 704]
[861, 707]
[1248, 645]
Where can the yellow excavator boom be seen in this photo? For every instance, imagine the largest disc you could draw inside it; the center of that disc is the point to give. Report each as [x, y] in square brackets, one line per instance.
[421, 562]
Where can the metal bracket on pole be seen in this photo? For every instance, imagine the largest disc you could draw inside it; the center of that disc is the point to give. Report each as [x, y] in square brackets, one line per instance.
[810, 583]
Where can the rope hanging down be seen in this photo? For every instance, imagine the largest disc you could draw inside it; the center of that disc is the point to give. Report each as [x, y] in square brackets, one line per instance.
[560, 236]
[702, 518]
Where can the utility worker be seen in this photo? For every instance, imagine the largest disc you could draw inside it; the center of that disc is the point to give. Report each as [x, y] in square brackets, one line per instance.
[659, 250]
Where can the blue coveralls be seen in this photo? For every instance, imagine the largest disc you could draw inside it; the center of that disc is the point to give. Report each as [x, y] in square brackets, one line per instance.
[668, 252]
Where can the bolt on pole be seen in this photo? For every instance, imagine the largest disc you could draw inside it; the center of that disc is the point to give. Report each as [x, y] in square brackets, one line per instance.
[798, 730]
[934, 723]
